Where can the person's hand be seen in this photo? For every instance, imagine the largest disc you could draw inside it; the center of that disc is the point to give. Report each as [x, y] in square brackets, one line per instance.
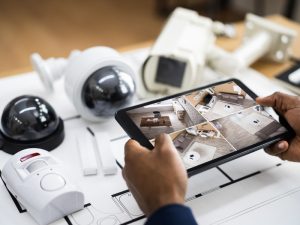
[157, 177]
[289, 107]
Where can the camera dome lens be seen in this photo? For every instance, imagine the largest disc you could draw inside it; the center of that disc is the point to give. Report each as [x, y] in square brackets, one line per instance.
[28, 118]
[107, 90]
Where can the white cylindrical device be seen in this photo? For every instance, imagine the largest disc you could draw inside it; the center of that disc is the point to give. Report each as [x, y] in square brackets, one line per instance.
[254, 48]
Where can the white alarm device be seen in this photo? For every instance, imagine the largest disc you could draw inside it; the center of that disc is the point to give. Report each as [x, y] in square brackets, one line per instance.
[38, 181]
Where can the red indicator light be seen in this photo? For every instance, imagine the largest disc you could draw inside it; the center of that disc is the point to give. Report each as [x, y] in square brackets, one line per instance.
[24, 158]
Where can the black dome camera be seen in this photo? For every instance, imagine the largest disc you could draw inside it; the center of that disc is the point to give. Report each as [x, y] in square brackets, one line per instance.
[30, 122]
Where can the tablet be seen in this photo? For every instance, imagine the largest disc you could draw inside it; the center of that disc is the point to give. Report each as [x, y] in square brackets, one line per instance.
[208, 126]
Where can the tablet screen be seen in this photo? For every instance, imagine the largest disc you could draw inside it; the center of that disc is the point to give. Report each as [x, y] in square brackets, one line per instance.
[207, 124]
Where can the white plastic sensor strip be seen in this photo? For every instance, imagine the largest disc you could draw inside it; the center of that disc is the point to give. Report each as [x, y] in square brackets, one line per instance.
[107, 159]
[86, 153]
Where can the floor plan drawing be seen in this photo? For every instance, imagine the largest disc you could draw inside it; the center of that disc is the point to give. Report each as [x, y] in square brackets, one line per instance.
[254, 187]
[128, 211]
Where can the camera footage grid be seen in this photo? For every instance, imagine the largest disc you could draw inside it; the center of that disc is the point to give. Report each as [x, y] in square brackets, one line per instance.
[208, 123]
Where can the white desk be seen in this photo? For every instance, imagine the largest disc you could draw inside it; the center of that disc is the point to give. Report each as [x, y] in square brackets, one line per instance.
[255, 189]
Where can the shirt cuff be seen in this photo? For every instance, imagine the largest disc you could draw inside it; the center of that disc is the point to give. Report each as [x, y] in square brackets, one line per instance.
[173, 214]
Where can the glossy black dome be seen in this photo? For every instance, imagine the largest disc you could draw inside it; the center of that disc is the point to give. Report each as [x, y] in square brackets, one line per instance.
[107, 90]
[28, 118]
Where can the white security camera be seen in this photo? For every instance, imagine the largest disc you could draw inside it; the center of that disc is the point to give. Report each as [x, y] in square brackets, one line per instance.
[186, 45]
[178, 56]
[97, 80]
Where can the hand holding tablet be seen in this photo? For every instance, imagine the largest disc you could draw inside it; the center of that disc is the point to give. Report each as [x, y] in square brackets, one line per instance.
[208, 125]
[165, 184]
[289, 107]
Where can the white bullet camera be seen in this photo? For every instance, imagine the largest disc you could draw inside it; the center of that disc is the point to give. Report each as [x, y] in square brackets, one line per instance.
[97, 80]
[178, 56]
[187, 44]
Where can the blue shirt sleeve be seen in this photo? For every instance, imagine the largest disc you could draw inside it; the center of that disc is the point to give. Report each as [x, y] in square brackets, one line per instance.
[174, 214]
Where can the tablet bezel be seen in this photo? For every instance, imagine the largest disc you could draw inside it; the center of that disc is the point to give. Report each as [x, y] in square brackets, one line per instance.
[135, 133]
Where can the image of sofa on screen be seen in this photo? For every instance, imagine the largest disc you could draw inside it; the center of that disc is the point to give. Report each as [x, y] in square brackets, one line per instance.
[165, 117]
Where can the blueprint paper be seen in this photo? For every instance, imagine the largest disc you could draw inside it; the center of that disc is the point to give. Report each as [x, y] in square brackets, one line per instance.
[256, 188]
[271, 197]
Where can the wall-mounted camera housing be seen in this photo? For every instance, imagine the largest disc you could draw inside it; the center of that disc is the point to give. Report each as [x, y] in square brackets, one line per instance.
[97, 80]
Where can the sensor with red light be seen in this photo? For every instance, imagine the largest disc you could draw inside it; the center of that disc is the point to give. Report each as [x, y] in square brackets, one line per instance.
[37, 171]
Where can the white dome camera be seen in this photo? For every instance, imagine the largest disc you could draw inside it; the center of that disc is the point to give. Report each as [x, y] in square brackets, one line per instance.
[97, 80]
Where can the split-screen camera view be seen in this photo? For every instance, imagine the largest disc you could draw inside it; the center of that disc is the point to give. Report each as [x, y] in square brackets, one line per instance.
[208, 123]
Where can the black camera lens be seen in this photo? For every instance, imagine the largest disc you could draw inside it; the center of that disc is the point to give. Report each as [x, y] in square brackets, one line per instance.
[28, 118]
[30, 121]
[107, 90]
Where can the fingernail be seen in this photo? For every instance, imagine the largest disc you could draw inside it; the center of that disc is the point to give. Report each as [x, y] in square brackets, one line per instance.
[281, 145]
